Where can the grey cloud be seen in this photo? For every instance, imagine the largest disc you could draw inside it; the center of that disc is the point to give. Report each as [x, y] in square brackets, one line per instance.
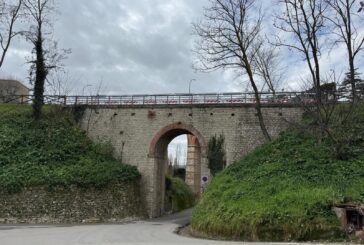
[140, 46]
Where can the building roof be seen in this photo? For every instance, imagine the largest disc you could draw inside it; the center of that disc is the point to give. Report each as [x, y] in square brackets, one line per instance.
[11, 82]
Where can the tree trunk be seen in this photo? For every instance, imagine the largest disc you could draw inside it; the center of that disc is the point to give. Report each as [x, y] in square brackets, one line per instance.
[352, 76]
[40, 76]
[258, 106]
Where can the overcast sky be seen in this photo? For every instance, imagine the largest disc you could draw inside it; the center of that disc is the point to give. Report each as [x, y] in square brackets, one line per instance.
[144, 47]
[139, 47]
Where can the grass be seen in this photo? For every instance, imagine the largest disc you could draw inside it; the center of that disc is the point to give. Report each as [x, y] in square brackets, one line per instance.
[53, 152]
[283, 191]
[182, 196]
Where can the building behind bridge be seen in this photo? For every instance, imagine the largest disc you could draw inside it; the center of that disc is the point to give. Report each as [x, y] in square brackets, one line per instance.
[12, 91]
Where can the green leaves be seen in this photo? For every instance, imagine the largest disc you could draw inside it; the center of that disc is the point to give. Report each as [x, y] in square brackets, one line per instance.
[52, 152]
[283, 190]
[182, 195]
[216, 154]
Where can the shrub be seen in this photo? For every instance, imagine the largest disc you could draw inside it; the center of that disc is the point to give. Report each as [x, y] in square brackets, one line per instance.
[54, 151]
[182, 196]
[283, 191]
[216, 154]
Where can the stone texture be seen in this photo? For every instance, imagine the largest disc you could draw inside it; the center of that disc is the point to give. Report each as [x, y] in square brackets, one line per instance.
[141, 140]
[193, 166]
[38, 205]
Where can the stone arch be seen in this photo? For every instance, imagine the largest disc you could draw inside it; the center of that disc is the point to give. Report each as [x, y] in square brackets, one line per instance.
[158, 155]
[173, 130]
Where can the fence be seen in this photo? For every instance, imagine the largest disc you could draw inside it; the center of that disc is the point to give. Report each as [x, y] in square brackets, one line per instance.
[166, 99]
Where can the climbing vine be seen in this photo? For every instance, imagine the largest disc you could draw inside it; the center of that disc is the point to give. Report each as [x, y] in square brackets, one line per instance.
[216, 154]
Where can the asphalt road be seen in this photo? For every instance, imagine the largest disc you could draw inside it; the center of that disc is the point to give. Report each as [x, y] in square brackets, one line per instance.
[157, 231]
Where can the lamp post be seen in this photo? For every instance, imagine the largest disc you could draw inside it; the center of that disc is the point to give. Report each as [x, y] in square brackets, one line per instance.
[189, 87]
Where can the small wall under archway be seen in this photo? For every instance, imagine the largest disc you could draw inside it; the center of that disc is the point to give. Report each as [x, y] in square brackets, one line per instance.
[158, 154]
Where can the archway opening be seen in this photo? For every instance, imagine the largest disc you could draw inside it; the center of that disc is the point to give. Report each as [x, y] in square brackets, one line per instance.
[190, 159]
[177, 157]
[184, 160]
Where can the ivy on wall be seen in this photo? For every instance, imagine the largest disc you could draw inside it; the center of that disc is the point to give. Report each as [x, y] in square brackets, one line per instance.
[216, 154]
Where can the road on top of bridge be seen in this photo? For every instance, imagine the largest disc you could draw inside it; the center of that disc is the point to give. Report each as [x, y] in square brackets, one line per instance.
[157, 231]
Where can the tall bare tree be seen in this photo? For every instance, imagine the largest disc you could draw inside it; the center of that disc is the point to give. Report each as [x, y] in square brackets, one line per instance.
[230, 37]
[346, 23]
[305, 23]
[304, 20]
[10, 12]
[60, 83]
[268, 67]
[46, 55]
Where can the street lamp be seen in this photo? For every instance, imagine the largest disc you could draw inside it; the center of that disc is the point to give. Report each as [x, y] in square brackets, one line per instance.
[189, 87]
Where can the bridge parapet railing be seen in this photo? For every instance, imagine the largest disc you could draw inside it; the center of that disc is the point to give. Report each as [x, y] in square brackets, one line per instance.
[166, 99]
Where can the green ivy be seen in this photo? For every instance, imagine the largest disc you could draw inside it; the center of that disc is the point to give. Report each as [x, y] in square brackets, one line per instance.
[285, 190]
[53, 152]
[216, 154]
[182, 196]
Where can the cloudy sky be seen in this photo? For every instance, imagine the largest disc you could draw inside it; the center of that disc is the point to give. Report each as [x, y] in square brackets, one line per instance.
[138, 47]
[144, 47]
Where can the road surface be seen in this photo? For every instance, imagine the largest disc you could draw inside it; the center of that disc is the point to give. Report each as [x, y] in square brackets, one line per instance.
[158, 231]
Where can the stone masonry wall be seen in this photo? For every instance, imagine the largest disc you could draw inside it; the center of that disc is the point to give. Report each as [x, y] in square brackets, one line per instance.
[131, 130]
[38, 205]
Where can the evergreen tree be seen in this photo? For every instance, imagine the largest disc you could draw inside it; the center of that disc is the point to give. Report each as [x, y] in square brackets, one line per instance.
[346, 86]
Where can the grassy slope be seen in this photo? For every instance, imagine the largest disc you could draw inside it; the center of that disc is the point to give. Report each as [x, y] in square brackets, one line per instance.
[182, 196]
[53, 152]
[284, 190]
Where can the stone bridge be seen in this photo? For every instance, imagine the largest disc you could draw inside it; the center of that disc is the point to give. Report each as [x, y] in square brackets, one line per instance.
[141, 131]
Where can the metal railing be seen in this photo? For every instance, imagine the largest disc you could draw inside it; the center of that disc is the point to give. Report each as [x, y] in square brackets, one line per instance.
[166, 99]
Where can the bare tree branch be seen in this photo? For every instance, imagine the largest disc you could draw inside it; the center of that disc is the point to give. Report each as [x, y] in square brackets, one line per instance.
[342, 17]
[305, 21]
[267, 64]
[230, 37]
[9, 15]
[46, 56]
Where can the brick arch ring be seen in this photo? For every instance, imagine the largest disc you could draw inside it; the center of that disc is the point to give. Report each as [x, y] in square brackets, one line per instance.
[180, 128]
